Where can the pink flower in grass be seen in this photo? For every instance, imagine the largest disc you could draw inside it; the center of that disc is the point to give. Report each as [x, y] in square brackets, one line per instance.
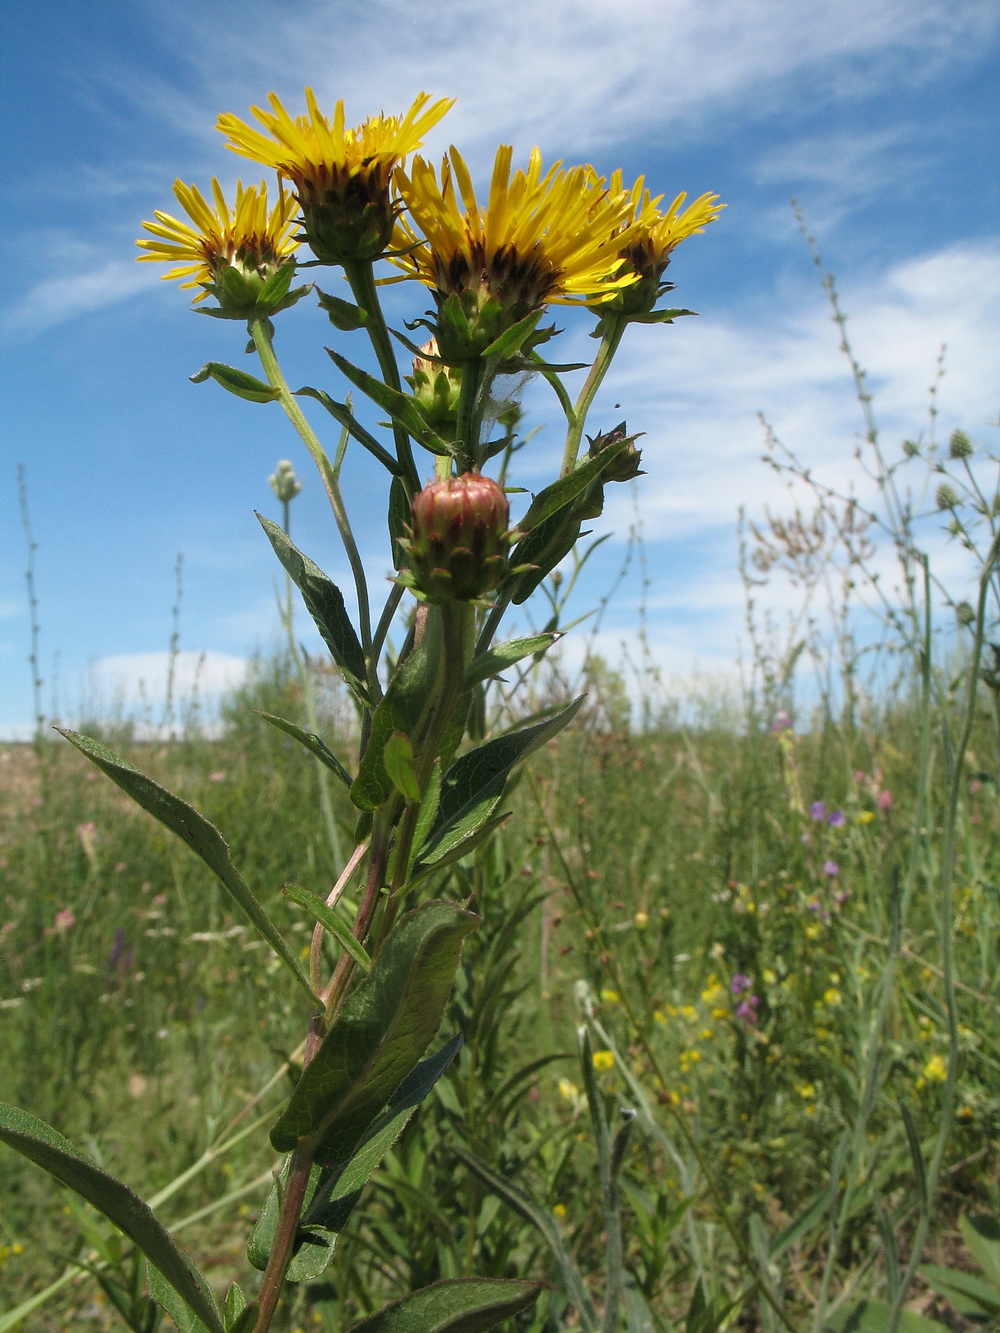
[65, 920]
[831, 868]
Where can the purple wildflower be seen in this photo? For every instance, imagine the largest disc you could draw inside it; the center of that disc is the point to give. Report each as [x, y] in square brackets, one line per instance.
[831, 868]
[836, 819]
[746, 1011]
[817, 810]
[740, 983]
[782, 722]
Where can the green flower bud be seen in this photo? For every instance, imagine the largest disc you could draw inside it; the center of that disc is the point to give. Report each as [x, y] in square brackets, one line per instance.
[945, 497]
[459, 539]
[626, 465]
[965, 614]
[959, 446]
[436, 390]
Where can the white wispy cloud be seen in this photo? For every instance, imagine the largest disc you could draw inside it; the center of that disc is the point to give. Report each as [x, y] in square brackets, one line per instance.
[143, 679]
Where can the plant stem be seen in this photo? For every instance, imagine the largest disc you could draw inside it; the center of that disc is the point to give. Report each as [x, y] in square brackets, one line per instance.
[614, 329]
[361, 277]
[280, 1257]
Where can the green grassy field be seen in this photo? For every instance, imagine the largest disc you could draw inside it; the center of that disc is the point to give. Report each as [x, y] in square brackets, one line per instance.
[765, 925]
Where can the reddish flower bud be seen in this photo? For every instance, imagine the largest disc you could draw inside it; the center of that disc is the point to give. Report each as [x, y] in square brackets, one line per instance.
[458, 540]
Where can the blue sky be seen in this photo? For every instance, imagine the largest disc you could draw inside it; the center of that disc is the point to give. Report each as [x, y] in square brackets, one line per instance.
[879, 116]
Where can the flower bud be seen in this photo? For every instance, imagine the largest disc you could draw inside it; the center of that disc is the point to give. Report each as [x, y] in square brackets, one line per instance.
[959, 446]
[284, 482]
[945, 497]
[436, 389]
[626, 464]
[458, 543]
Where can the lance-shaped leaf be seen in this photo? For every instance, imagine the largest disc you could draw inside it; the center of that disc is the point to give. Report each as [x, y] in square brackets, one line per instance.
[200, 835]
[344, 315]
[47, 1148]
[332, 1193]
[563, 492]
[325, 603]
[313, 743]
[505, 655]
[400, 407]
[400, 710]
[236, 381]
[473, 786]
[329, 920]
[537, 554]
[343, 414]
[379, 1036]
[456, 1305]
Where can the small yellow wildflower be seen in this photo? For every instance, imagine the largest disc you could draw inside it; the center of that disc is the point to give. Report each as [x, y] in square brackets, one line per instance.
[559, 1209]
[936, 1069]
[641, 920]
[568, 1091]
[832, 996]
[812, 931]
[706, 1034]
[807, 1091]
[604, 1060]
[689, 1011]
[965, 1114]
[659, 1016]
[609, 996]
[769, 977]
[865, 817]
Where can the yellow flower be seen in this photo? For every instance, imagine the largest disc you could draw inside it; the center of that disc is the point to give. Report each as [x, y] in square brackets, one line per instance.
[604, 1060]
[649, 237]
[936, 1069]
[340, 175]
[609, 996]
[230, 254]
[541, 238]
[865, 817]
[831, 996]
[559, 1209]
[567, 1090]
[806, 1091]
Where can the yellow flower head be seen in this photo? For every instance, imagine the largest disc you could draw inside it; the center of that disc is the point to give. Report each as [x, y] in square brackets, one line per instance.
[649, 237]
[229, 254]
[603, 1060]
[541, 238]
[340, 175]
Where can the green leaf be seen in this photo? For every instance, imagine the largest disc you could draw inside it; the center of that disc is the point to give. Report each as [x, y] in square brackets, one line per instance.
[563, 492]
[982, 1235]
[505, 655]
[457, 850]
[236, 381]
[332, 1193]
[537, 554]
[400, 710]
[512, 339]
[379, 1035]
[971, 1296]
[312, 742]
[397, 755]
[167, 1299]
[399, 405]
[343, 414]
[916, 1154]
[202, 837]
[525, 1206]
[325, 603]
[873, 1317]
[398, 518]
[455, 1305]
[330, 921]
[48, 1149]
[344, 315]
[474, 785]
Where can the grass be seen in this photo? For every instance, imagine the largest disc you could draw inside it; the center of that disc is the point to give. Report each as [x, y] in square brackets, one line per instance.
[682, 877]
